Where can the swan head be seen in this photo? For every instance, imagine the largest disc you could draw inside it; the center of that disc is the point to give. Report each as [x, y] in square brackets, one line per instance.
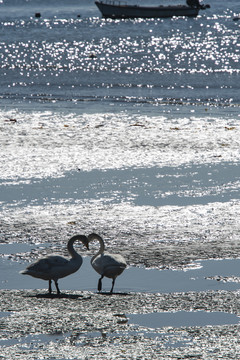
[97, 237]
[84, 240]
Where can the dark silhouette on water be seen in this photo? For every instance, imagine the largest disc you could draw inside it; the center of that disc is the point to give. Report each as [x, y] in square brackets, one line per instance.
[118, 10]
[106, 264]
[54, 267]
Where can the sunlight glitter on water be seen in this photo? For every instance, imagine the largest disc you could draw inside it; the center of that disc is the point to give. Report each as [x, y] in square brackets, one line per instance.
[134, 54]
[126, 224]
[107, 141]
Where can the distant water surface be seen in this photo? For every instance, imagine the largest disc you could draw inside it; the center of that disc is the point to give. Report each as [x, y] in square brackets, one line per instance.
[156, 61]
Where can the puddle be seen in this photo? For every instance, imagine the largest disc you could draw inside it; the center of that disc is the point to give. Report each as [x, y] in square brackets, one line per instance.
[4, 314]
[14, 248]
[198, 278]
[32, 340]
[183, 319]
[202, 277]
[168, 339]
[155, 322]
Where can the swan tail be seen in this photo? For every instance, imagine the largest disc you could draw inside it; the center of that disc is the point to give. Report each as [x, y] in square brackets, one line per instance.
[24, 272]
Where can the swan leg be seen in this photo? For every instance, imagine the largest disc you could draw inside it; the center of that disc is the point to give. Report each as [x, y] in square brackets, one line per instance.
[113, 282]
[50, 286]
[56, 284]
[100, 283]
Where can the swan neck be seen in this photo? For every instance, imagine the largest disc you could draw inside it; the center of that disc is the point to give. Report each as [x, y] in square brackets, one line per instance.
[101, 243]
[102, 246]
[74, 254]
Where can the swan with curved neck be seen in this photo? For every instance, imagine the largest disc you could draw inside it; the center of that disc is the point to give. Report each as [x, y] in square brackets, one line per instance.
[106, 264]
[54, 267]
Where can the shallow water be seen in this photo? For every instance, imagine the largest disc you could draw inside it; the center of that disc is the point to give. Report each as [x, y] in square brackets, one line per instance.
[200, 276]
[31, 341]
[183, 318]
[182, 185]
[4, 314]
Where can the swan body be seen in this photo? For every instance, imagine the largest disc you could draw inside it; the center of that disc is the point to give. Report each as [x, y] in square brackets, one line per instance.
[106, 264]
[54, 267]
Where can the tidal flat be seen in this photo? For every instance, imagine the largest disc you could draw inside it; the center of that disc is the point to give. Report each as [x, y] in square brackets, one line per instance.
[185, 311]
[87, 325]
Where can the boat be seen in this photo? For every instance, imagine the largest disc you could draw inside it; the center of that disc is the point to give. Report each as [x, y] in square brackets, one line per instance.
[119, 10]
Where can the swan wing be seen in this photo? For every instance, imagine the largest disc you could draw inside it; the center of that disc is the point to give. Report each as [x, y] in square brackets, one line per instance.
[52, 267]
[114, 259]
[47, 263]
[109, 265]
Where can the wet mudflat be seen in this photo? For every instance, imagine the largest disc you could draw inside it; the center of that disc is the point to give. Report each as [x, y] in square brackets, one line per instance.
[130, 324]
[86, 325]
[170, 251]
[192, 312]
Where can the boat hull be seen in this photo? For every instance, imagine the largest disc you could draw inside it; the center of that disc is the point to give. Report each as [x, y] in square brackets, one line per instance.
[110, 10]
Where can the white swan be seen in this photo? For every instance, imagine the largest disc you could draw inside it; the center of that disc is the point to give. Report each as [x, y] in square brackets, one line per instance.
[54, 267]
[106, 264]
